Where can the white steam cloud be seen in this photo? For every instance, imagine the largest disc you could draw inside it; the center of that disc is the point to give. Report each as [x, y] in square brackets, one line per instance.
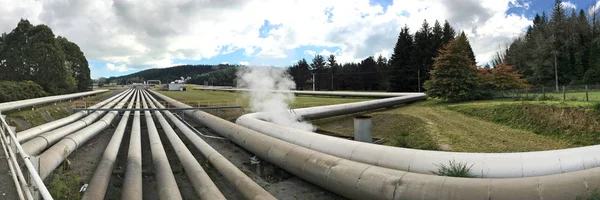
[264, 82]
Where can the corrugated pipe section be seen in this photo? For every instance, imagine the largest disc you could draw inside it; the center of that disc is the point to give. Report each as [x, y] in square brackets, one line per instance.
[39, 143]
[55, 155]
[34, 131]
[357, 180]
[243, 184]
[167, 186]
[96, 189]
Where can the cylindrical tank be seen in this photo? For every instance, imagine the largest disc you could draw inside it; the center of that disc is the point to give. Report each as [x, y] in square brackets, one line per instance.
[362, 129]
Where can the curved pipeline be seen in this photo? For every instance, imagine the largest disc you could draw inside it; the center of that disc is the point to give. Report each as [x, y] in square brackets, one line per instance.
[34, 131]
[243, 184]
[167, 186]
[485, 165]
[357, 180]
[99, 182]
[203, 185]
[51, 158]
[132, 183]
[43, 100]
[41, 142]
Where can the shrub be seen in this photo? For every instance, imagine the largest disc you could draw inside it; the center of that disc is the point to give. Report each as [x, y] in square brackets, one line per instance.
[14, 91]
[594, 195]
[596, 106]
[454, 169]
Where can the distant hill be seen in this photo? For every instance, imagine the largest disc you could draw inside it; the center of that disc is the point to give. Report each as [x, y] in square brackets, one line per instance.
[166, 74]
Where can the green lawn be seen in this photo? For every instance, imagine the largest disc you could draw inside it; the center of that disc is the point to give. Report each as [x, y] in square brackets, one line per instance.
[423, 125]
[449, 130]
[237, 98]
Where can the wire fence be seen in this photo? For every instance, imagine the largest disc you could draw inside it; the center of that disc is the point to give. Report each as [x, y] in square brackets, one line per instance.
[584, 93]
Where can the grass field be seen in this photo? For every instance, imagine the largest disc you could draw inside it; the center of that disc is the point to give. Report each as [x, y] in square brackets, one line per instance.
[423, 125]
[449, 130]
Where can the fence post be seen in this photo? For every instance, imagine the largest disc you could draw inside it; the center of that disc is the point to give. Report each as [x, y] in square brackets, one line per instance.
[587, 98]
[564, 94]
[544, 91]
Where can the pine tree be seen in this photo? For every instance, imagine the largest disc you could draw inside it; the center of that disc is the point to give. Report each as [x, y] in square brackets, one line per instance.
[318, 68]
[382, 73]
[400, 61]
[368, 69]
[449, 33]
[332, 65]
[469, 49]
[454, 78]
[422, 56]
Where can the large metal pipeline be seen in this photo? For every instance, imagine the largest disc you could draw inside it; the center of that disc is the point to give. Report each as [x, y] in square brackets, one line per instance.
[242, 183]
[203, 185]
[41, 142]
[34, 131]
[132, 183]
[357, 180]
[51, 158]
[96, 189]
[13, 105]
[167, 186]
[484, 165]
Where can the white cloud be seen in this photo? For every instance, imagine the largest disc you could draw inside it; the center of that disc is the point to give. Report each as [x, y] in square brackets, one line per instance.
[310, 52]
[117, 68]
[244, 63]
[141, 34]
[568, 5]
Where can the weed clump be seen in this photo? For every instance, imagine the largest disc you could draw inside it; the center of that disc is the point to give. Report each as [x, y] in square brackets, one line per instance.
[454, 169]
[421, 140]
[596, 106]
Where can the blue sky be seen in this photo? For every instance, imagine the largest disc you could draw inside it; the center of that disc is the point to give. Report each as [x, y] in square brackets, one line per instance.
[121, 37]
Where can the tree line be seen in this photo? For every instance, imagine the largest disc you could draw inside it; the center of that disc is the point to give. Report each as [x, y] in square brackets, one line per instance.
[562, 48]
[34, 53]
[406, 70]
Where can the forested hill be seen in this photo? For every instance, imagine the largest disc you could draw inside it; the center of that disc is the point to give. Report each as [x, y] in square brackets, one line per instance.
[166, 74]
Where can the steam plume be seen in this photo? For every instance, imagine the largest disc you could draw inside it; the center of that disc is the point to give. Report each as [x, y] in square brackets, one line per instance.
[264, 82]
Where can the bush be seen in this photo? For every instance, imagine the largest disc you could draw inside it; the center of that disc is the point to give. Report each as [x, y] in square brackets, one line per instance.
[594, 195]
[454, 169]
[14, 91]
[596, 106]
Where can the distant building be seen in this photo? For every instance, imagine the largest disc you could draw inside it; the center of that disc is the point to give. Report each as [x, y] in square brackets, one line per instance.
[173, 86]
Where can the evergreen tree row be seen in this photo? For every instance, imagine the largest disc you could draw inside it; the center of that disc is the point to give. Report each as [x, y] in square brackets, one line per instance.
[406, 70]
[34, 53]
[560, 49]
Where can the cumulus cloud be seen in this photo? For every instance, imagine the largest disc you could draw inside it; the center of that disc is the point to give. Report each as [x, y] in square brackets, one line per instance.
[142, 34]
[117, 68]
[568, 5]
[244, 63]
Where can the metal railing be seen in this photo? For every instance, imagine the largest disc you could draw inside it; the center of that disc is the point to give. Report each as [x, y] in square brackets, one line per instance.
[34, 185]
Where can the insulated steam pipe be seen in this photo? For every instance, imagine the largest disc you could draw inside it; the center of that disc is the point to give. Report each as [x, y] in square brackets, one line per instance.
[357, 180]
[167, 186]
[484, 165]
[39, 143]
[243, 184]
[96, 189]
[51, 158]
[34, 131]
[132, 184]
[13, 105]
[203, 185]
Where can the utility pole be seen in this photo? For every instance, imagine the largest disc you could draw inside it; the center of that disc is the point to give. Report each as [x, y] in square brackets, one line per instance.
[314, 80]
[419, 79]
[331, 81]
[556, 69]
